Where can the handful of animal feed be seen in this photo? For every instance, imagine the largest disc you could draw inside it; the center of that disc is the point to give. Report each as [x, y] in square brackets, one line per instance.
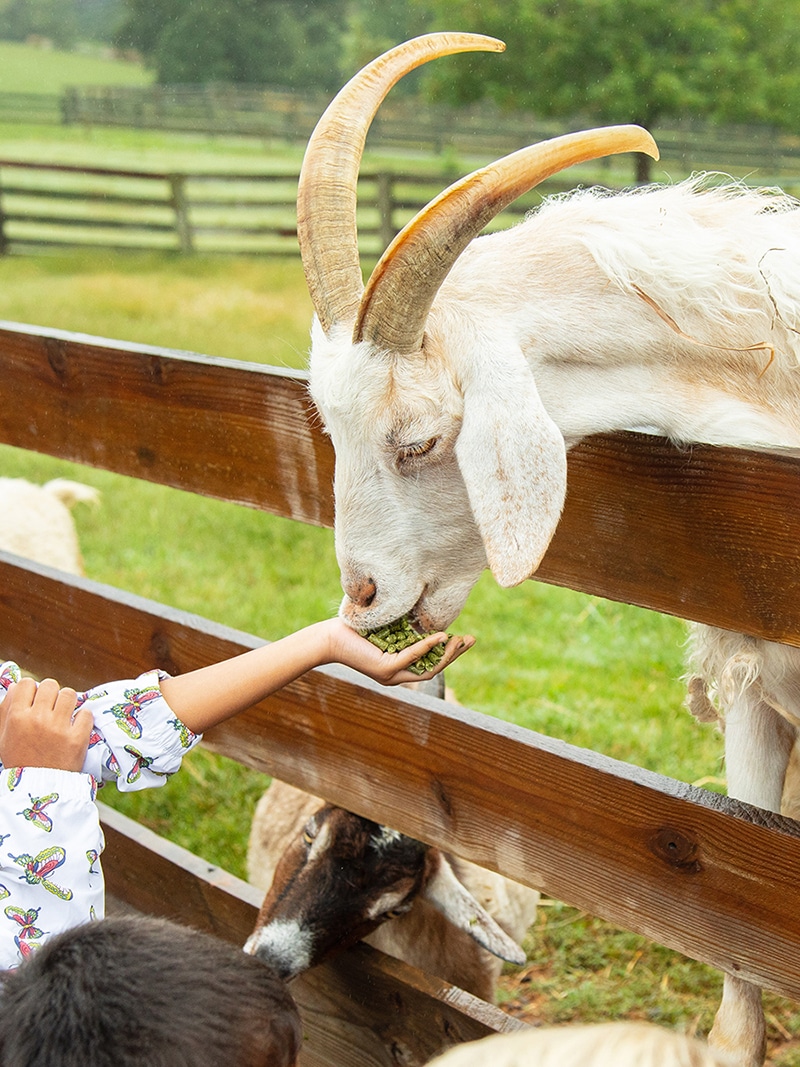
[397, 635]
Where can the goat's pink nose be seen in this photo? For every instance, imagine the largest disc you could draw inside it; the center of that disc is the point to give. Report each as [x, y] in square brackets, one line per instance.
[361, 591]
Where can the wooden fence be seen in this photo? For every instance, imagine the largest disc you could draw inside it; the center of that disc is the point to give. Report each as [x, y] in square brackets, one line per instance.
[64, 206]
[706, 533]
[290, 116]
[47, 206]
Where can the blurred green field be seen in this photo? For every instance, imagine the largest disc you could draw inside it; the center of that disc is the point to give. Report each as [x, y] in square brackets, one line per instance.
[26, 68]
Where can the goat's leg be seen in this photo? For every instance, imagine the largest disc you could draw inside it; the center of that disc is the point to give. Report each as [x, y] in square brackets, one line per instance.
[758, 743]
[739, 1028]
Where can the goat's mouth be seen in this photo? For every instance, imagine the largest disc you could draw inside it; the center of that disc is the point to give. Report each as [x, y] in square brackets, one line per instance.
[419, 617]
[373, 617]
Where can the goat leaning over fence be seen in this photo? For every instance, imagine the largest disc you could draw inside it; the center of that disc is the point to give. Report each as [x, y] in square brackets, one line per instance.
[454, 383]
[334, 877]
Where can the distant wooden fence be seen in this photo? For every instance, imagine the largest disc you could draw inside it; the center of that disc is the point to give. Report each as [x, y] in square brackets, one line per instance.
[59, 206]
[706, 533]
[480, 129]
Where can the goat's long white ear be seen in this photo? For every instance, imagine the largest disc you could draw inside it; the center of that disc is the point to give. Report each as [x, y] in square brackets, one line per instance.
[513, 461]
[454, 900]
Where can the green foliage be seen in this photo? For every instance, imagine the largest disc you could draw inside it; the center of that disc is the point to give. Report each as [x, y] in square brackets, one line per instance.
[63, 22]
[631, 60]
[270, 42]
[53, 19]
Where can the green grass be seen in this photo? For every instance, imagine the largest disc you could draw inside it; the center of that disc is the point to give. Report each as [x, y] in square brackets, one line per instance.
[252, 309]
[27, 69]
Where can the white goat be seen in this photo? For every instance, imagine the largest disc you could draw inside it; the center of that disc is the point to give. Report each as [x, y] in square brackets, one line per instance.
[334, 877]
[36, 520]
[454, 383]
[602, 1045]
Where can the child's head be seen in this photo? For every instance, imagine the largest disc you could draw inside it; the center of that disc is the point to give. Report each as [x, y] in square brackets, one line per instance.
[129, 991]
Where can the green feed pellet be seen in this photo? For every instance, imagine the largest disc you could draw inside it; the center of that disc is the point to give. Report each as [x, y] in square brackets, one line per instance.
[397, 635]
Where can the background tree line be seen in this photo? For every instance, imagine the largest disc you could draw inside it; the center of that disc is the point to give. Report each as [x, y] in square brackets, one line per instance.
[640, 61]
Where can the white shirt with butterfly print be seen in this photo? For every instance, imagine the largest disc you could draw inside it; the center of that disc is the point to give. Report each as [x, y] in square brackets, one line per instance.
[50, 834]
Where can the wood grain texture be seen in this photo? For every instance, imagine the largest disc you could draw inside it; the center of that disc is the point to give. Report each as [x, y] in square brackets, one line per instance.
[234, 431]
[692, 870]
[704, 533]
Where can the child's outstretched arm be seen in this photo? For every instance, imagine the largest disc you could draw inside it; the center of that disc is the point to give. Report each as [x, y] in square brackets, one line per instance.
[207, 696]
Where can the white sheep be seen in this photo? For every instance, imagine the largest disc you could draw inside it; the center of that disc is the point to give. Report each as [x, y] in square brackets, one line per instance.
[454, 382]
[602, 1045]
[36, 520]
[334, 877]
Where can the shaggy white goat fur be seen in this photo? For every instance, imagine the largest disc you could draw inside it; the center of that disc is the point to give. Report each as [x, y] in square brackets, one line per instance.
[602, 1045]
[673, 309]
[36, 520]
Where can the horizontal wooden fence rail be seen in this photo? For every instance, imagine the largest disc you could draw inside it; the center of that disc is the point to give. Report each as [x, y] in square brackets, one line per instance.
[68, 206]
[720, 526]
[290, 116]
[705, 533]
[695, 871]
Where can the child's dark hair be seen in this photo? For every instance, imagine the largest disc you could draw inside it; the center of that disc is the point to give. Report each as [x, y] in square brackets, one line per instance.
[134, 990]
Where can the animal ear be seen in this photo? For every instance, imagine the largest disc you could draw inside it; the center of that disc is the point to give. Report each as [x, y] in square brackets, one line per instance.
[455, 901]
[513, 461]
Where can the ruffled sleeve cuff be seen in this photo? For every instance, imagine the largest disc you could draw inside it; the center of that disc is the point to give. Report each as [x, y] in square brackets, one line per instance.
[138, 741]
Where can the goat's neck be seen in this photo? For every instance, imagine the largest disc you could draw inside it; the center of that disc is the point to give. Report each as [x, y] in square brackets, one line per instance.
[584, 399]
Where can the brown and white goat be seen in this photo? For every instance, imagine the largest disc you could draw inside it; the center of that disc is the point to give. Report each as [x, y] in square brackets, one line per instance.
[333, 877]
[454, 382]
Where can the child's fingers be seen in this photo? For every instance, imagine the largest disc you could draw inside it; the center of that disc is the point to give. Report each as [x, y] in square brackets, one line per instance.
[82, 724]
[46, 695]
[412, 653]
[65, 702]
[454, 646]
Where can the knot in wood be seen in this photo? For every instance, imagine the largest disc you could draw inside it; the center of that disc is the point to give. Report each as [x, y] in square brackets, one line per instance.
[677, 849]
[442, 799]
[161, 653]
[56, 356]
[156, 371]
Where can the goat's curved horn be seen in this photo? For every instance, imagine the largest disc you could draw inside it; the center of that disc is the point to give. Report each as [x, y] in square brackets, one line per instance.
[404, 283]
[326, 197]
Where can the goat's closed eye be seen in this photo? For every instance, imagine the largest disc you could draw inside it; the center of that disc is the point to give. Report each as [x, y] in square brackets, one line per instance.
[394, 913]
[416, 449]
[309, 833]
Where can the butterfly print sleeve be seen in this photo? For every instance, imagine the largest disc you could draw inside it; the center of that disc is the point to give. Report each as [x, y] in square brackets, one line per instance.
[137, 740]
[50, 846]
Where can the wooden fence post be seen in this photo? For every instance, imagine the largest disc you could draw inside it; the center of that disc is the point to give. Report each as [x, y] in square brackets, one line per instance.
[180, 206]
[3, 238]
[385, 204]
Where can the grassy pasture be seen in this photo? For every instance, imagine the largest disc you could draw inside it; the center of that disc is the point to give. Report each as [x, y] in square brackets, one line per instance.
[28, 69]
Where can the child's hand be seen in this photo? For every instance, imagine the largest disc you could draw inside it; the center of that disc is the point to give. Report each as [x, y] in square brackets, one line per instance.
[37, 727]
[391, 668]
